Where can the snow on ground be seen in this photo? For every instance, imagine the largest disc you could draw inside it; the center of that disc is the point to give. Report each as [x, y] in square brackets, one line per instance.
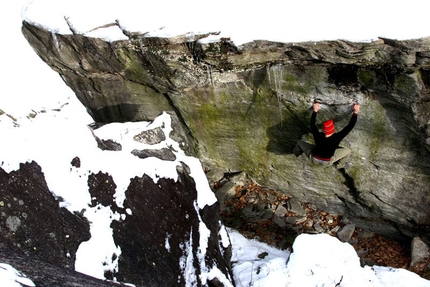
[316, 260]
[59, 131]
[10, 277]
[53, 140]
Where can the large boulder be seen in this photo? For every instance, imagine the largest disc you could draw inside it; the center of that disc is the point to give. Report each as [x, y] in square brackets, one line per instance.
[162, 234]
[244, 108]
[32, 222]
[164, 237]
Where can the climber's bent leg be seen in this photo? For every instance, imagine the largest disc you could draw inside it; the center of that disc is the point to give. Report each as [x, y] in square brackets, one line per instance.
[340, 157]
[303, 147]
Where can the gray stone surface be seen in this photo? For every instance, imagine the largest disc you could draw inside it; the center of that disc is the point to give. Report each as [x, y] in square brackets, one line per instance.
[419, 250]
[294, 206]
[280, 221]
[163, 154]
[318, 228]
[295, 219]
[150, 137]
[346, 232]
[280, 211]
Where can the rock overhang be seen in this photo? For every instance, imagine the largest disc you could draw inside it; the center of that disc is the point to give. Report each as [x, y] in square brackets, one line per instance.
[243, 108]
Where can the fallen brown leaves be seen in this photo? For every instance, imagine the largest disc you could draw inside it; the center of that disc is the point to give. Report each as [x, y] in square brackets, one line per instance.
[264, 230]
[330, 222]
[248, 192]
[375, 249]
[421, 268]
[385, 252]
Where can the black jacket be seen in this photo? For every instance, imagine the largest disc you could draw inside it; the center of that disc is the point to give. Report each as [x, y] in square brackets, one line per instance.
[325, 146]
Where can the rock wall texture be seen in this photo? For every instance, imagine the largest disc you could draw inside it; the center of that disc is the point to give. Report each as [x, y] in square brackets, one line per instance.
[244, 108]
[40, 239]
[32, 221]
[165, 211]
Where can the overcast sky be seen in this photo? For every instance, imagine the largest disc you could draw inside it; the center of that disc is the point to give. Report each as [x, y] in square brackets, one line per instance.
[28, 83]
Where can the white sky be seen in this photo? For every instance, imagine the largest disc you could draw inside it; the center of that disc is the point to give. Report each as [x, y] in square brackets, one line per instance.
[242, 21]
[26, 81]
[29, 84]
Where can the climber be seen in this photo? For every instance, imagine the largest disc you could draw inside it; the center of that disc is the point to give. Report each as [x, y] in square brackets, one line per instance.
[326, 150]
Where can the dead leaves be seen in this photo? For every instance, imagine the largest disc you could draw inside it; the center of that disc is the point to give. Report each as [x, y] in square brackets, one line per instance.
[374, 249]
[384, 251]
[248, 193]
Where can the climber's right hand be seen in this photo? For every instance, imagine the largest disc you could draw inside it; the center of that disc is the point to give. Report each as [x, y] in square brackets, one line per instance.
[316, 107]
[356, 108]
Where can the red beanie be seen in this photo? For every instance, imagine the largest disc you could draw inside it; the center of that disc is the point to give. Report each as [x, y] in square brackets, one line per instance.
[328, 127]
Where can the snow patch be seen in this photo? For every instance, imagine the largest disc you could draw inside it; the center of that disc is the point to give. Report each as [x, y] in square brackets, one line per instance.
[225, 240]
[99, 254]
[317, 260]
[10, 277]
[167, 243]
[186, 263]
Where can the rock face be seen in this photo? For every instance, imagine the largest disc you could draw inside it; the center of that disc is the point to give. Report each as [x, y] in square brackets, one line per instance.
[41, 239]
[420, 251]
[159, 223]
[32, 221]
[244, 108]
[38, 237]
[46, 274]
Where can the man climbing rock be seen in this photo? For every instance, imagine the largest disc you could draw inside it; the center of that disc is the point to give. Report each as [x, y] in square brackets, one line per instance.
[326, 150]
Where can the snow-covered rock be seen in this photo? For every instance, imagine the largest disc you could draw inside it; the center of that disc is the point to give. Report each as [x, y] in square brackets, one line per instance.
[316, 260]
